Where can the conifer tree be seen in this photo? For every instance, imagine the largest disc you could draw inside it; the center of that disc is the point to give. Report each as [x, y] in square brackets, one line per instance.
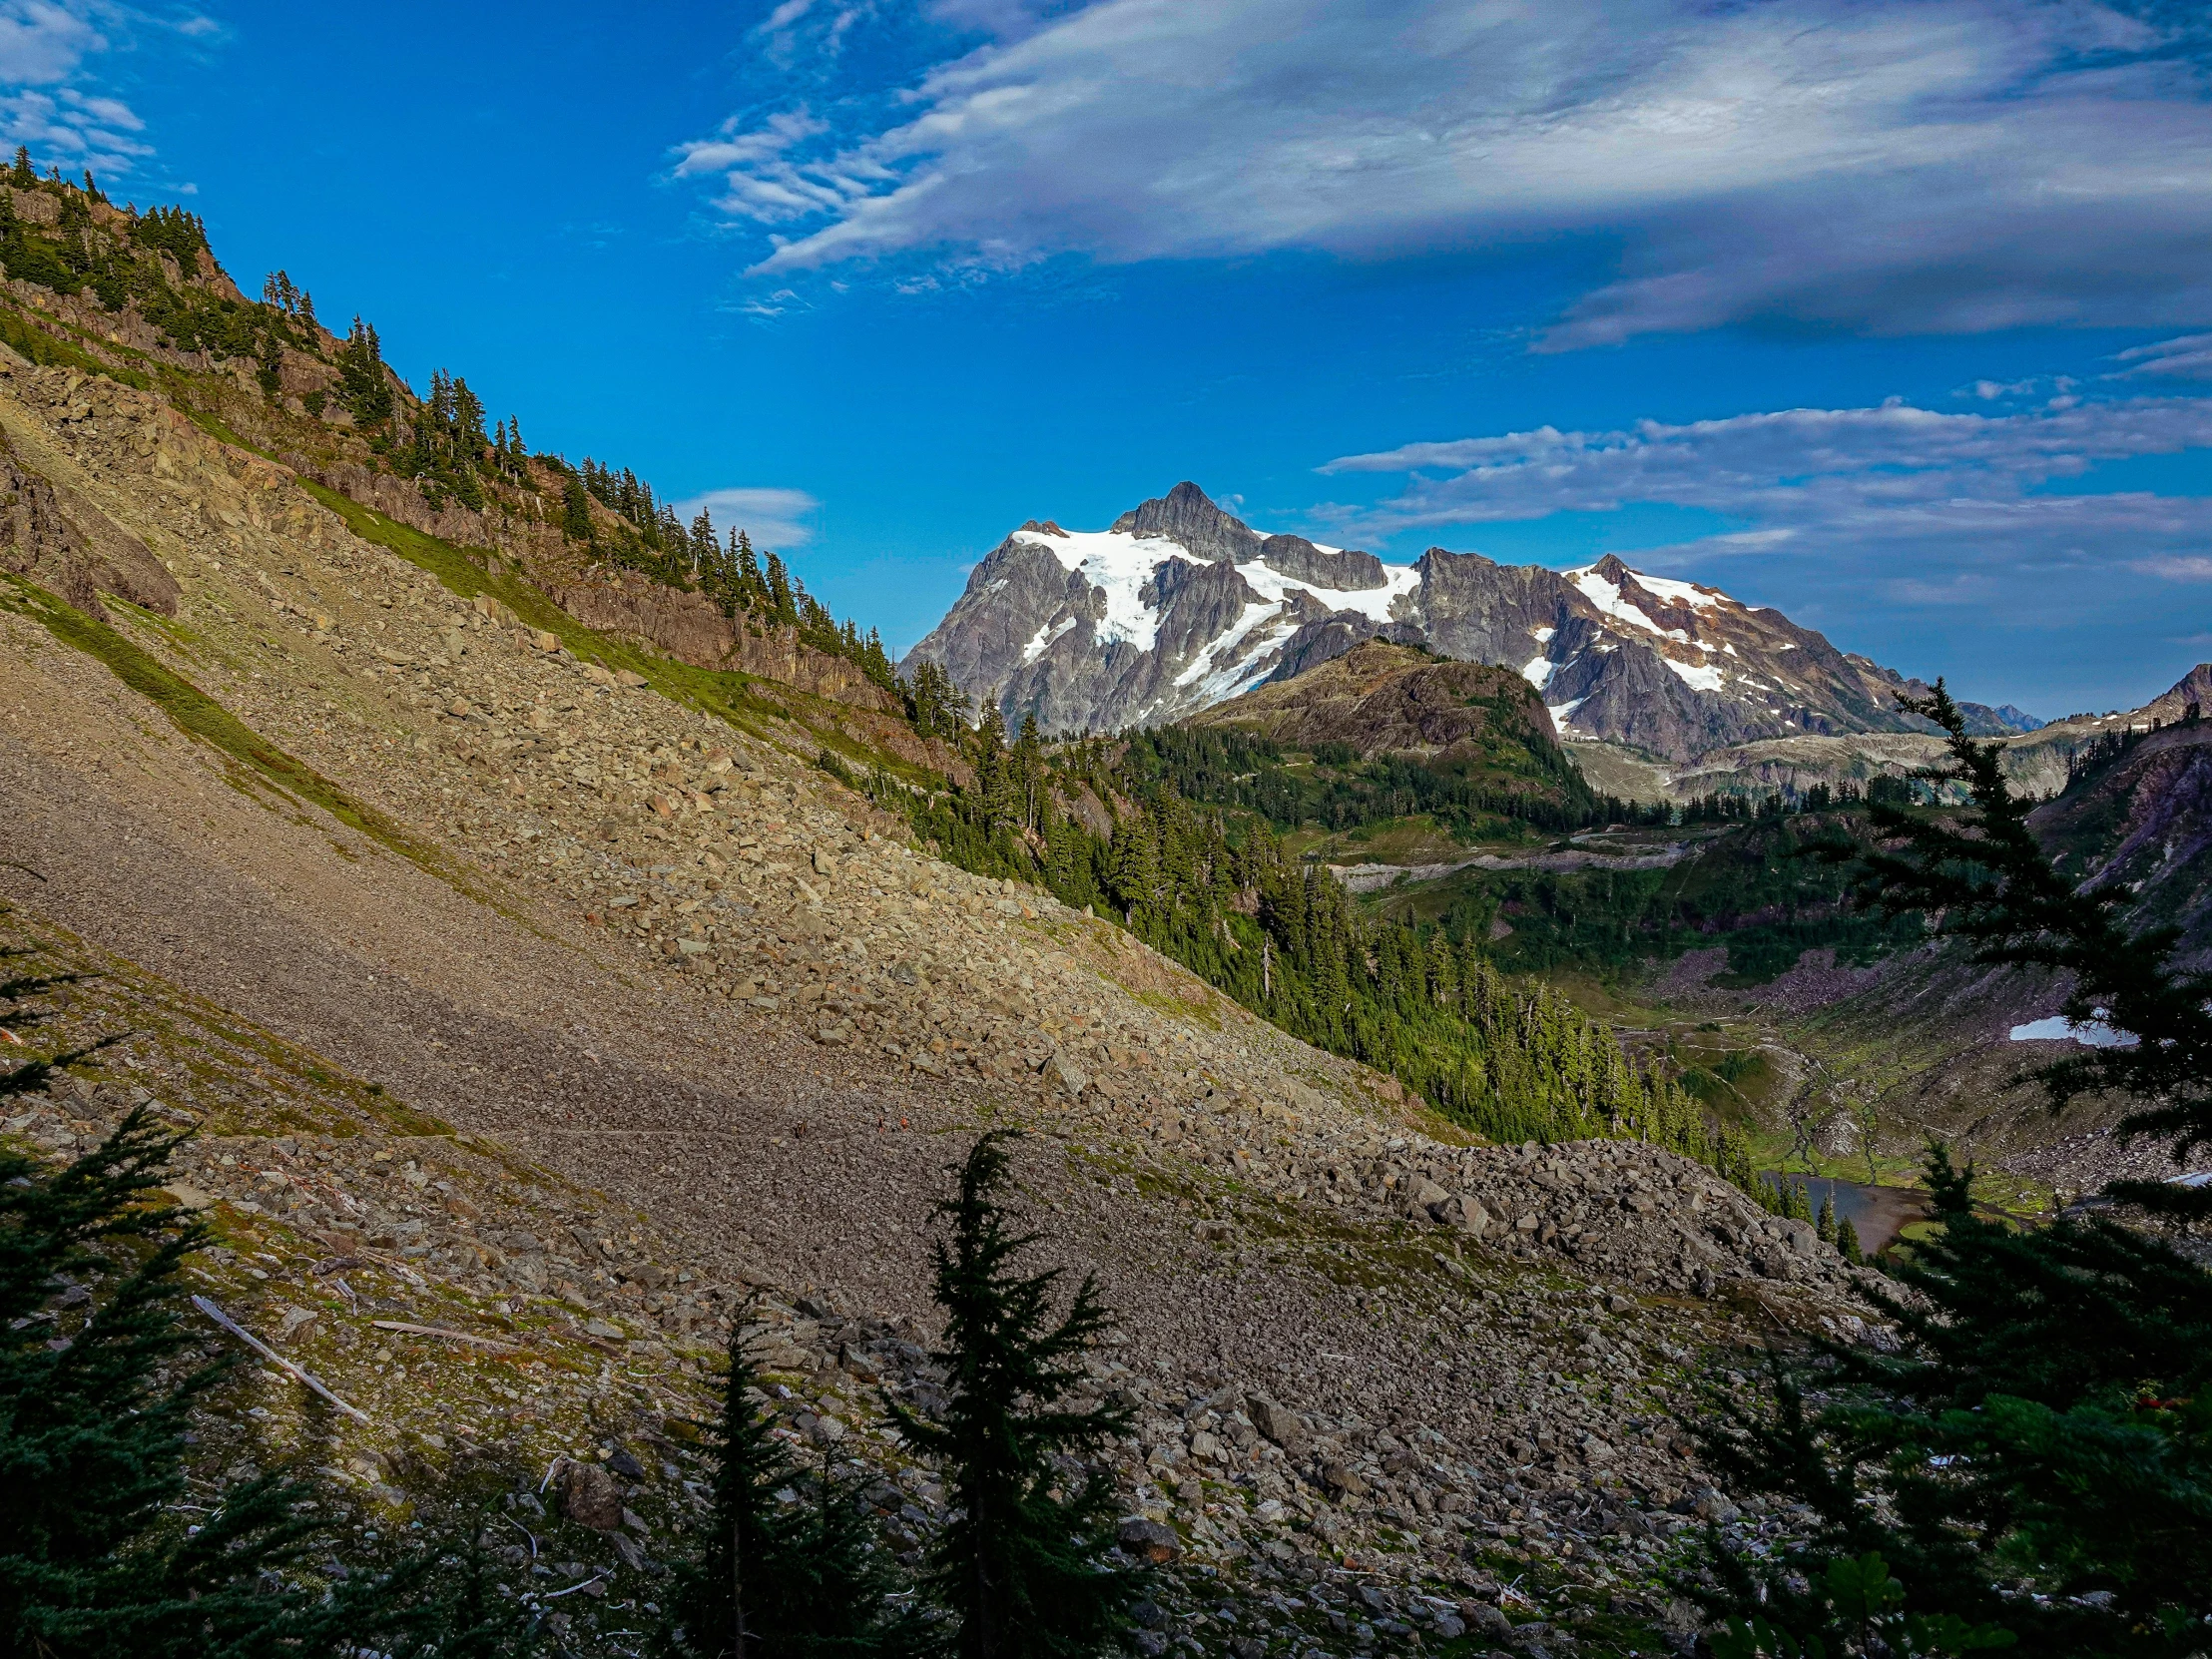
[1020, 1562]
[1847, 1241]
[2031, 1466]
[767, 1580]
[1998, 892]
[23, 176]
[96, 1392]
[782, 602]
[362, 375]
[576, 509]
[750, 581]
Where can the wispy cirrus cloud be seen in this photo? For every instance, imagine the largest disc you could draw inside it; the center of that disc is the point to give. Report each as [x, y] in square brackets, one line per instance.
[770, 517]
[51, 97]
[2188, 358]
[2193, 567]
[1939, 165]
[1920, 506]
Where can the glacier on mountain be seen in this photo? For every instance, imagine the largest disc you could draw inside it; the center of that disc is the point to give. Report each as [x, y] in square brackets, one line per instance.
[1179, 605]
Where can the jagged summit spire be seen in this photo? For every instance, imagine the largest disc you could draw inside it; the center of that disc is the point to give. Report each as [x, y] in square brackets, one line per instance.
[1189, 517]
[2194, 688]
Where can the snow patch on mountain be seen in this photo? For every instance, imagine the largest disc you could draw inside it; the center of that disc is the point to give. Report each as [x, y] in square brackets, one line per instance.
[1687, 593]
[1118, 566]
[1122, 567]
[1045, 635]
[1373, 603]
[1696, 676]
[1615, 604]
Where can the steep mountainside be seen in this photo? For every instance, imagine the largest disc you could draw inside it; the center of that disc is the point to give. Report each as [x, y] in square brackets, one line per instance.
[1179, 605]
[540, 1000]
[2140, 813]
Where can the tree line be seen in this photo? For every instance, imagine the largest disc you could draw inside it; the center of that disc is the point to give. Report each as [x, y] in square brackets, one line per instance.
[438, 443]
[1284, 937]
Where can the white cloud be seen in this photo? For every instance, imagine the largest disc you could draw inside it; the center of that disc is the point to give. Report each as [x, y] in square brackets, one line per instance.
[1924, 503]
[1938, 164]
[42, 42]
[771, 517]
[2182, 568]
[49, 100]
[2186, 359]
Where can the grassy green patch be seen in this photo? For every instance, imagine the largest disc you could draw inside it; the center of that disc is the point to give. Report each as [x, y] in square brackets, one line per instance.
[1734, 1081]
[212, 425]
[1196, 1012]
[198, 715]
[44, 350]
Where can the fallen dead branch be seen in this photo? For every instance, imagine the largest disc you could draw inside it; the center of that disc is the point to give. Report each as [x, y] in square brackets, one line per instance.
[449, 1336]
[273, 1358]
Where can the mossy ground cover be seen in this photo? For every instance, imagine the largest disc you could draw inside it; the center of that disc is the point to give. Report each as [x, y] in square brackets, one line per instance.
[49, 351]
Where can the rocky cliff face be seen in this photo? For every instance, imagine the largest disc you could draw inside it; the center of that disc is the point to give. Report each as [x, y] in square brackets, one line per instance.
[2142, 824]
[1179, 605]
[54, 537]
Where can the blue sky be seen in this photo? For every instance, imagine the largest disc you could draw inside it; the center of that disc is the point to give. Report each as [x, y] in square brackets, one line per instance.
[1887, 314]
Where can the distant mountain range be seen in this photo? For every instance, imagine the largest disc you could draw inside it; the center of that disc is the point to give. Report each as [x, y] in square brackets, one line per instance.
[1179, 605]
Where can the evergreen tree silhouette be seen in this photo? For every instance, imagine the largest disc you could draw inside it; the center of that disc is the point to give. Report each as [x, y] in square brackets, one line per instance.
[773, 1574]
[1021, 1563]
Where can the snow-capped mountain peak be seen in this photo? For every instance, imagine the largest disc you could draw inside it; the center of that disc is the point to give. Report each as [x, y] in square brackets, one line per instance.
[1176, 607]
[1179, 605]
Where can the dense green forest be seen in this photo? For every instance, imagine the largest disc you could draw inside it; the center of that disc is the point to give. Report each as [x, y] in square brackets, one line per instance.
[1752, 890]
[1335, 787]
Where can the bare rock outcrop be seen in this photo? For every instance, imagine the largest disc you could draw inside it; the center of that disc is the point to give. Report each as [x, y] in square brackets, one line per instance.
[52, 537]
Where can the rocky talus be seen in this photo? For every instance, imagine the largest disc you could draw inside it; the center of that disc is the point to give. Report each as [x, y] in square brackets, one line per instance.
[537, 1024]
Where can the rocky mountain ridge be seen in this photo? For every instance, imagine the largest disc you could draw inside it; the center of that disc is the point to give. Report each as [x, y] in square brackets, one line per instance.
[509, 987]
[1180, 605]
